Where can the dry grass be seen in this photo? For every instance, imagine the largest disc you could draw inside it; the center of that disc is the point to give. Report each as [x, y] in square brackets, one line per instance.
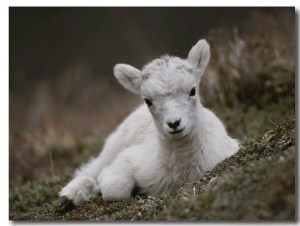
[58, 116]
[250, 61]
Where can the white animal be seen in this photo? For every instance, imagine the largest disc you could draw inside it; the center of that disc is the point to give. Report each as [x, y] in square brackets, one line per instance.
[166, 142]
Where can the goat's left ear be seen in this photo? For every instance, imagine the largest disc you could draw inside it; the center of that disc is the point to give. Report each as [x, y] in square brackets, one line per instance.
[129, 77]
[199, 57]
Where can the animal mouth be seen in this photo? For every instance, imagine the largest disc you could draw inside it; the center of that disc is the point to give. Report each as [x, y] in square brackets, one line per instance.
[176, 131]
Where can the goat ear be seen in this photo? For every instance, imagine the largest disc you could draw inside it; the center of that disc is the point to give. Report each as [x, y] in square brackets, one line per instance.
[199, 57]
[129, 77]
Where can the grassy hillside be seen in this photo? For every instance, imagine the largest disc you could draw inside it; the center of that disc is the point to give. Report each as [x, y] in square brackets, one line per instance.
[257, 183]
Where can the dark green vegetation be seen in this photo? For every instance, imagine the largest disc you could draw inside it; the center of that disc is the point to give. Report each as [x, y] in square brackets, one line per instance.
[249, 84]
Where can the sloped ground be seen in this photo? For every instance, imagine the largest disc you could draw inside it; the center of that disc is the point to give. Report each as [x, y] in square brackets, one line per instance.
[257, 183]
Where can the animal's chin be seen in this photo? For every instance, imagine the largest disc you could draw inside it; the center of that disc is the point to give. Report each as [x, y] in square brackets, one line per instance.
[176, 134]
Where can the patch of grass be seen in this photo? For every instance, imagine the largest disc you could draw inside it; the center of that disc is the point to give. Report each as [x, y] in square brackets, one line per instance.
[258, 191]
[28, 201]
[53, 159]
[257, 183]
[272, 143]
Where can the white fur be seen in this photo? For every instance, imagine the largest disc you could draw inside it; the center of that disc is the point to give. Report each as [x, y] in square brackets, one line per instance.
[143, 151]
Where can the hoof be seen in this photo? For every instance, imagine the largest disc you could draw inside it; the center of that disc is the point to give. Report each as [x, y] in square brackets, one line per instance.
[66, 204]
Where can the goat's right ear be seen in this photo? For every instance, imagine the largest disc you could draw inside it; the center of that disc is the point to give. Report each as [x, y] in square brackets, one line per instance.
[129, 77]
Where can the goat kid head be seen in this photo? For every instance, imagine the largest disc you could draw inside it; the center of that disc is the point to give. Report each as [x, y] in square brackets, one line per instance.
[170, 87]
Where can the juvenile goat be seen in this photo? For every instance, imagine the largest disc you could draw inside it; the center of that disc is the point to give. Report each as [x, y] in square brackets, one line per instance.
[166, 142]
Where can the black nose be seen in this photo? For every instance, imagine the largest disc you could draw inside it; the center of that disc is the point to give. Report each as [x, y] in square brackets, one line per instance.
[174, 124]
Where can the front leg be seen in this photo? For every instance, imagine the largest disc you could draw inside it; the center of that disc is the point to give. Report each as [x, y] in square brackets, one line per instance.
[79, 189]
[82, 187]
[116, 181]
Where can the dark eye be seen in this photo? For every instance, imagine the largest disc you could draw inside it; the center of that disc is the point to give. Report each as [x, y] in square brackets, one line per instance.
[148, 102]
[193, 92]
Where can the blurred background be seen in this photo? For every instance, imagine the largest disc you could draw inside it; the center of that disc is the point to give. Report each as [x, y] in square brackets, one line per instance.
[64, 100]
